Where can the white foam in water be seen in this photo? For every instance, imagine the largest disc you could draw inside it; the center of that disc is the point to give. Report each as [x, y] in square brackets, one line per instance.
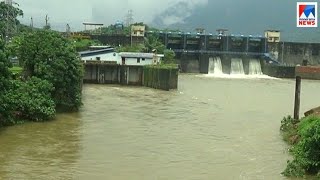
[238, 76]
[215, 66]
[255, 67]
[237, 66]
[211, 66]
[237, 70]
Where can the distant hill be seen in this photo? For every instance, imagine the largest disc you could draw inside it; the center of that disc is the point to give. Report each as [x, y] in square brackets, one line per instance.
[240, 17]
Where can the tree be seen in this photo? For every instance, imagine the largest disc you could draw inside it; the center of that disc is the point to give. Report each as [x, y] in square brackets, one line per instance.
[31, 100]
[8, 19]
[169, 56]
[133, 48]
[84, 44]
[306, 154]
[5, 84]
[153, 43]
[49, 56]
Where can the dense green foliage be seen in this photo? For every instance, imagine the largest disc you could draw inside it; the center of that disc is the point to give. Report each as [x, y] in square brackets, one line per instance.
[112, 29]
[152, 43]
[306, 150]
[133, 48]
[84, 44]
[16, 69]
[5, 84]
[47, 55]
[169, 57]
[32, 99]
[23, 100]
[289, 129]
[51, 72]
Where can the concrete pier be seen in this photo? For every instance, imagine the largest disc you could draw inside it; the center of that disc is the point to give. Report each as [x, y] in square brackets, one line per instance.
[98, 72]
[158, 77]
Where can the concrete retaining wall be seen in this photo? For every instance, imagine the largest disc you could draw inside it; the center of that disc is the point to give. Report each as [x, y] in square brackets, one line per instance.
[293, 53]
[164, 78]
[158, 77]
[308, 72]
[279, 71]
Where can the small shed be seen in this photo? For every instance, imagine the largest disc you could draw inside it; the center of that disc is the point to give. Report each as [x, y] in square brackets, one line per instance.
[107, 54]
[140, 59]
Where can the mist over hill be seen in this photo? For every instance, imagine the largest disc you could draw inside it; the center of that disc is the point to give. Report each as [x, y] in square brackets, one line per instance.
[240, 17]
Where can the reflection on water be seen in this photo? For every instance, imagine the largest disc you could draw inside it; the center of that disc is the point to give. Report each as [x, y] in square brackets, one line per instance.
[210, 128]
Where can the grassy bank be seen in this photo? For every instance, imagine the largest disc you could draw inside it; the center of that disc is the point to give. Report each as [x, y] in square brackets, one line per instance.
[304, 137]
[16, 69]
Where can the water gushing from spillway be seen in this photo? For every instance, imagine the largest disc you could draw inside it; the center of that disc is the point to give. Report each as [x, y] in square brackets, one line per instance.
[237, 66]
[255, 67]
[215, 66]
[211, 66]
[236, 69]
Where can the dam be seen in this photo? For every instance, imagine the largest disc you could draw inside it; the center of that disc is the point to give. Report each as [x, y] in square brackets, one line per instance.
[198, 52]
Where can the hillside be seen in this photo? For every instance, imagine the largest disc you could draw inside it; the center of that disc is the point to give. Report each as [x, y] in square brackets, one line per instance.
[240, 17]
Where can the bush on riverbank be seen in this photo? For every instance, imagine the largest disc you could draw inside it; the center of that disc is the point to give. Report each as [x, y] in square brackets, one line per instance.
[289, 130]
[28, 101]
[5, 84]
[305, 147]
[32, 99]
[51, 78]
[49, 56]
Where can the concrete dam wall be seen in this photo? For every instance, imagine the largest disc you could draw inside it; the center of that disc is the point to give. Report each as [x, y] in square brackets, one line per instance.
[292, 53]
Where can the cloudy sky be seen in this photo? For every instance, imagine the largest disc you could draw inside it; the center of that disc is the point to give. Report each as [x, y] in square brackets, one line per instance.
[75, 12]
[239, 16]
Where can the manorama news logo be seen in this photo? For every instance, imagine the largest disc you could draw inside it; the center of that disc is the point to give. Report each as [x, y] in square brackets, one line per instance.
[307, 14]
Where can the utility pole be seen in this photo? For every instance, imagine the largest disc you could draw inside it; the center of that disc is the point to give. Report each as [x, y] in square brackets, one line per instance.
[297, 98]
[68, 30]
[31, 23]
[47, 26]
[282, 52]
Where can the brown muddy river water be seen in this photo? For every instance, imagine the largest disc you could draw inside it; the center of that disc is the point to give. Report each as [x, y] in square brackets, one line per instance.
[210, 128]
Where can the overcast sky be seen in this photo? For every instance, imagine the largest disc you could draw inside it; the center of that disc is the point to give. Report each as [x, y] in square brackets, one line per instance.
[75, 12]
[239, 16]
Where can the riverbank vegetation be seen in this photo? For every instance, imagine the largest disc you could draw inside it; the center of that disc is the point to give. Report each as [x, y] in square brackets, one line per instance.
[120, 29]
[49, 80]
[151, 44]
[304, 137]
[83, 44]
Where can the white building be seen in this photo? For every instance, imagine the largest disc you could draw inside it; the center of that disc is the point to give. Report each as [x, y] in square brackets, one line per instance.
[123, 58]
[138, 31]
[140, 59]
[100, 55]
[272, 35]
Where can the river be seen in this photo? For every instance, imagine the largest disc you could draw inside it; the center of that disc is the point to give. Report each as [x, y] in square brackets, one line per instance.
[210, 128]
